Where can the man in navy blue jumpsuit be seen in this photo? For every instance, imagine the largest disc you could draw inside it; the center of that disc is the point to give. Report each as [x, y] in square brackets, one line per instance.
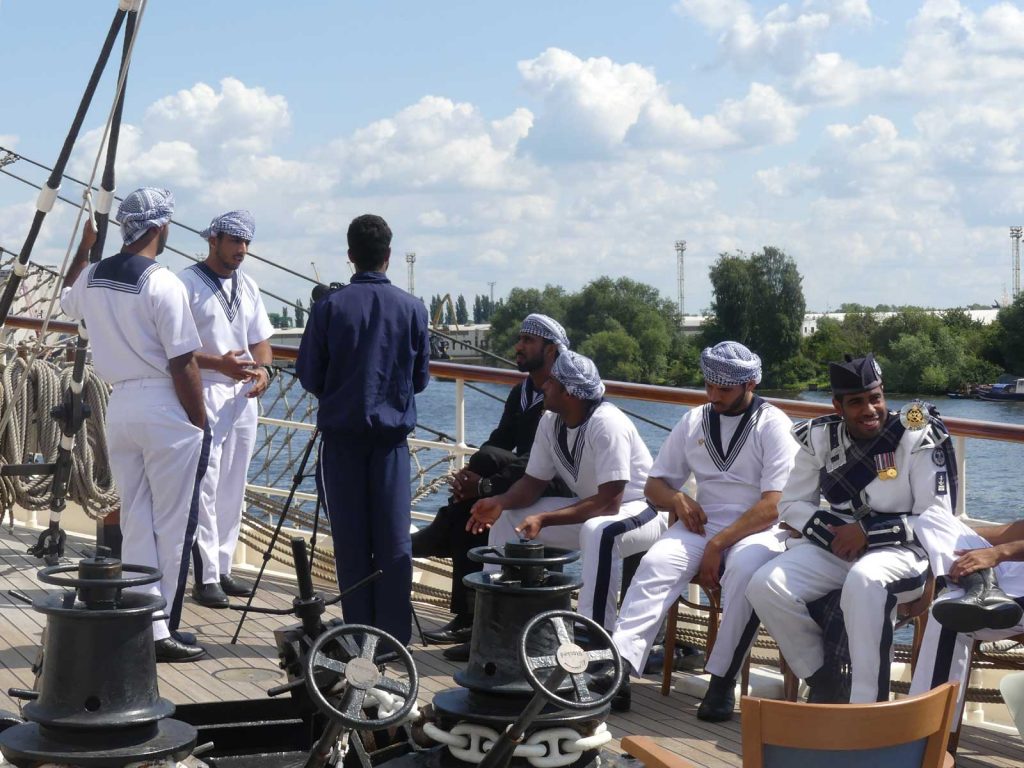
[365, 354]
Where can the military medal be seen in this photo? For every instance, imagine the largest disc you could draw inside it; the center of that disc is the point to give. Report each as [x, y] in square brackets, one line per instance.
[913, 416]
[885, 465]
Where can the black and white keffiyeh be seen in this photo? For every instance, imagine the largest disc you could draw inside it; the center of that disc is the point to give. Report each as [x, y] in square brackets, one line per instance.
[578, 375]
[729, 363]
[240, 224]
[545, 327]
[144, 209]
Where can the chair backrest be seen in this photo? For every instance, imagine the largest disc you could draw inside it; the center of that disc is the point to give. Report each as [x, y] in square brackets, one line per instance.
[1012, 688]
[909, 733]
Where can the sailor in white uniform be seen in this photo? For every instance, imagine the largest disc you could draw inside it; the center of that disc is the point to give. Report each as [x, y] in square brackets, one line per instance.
[975, 607]
[740, 452]
[143, 339]
[879, 471]
[234, 363]
[597, 452]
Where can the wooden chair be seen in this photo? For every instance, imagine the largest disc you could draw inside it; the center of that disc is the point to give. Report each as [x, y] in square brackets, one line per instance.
[783, 734]
[909, 733]
[713, 609]
[991, 661]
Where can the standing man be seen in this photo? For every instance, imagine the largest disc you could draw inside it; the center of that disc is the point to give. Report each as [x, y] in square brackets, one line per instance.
[597, 452]
[879, 471]
[974, 607]
[365, 353]
[143, 339]
[740, 452]
[234, 364]
[492, 470]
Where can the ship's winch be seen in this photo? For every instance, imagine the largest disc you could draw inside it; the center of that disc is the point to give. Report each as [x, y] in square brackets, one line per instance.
[97, 702]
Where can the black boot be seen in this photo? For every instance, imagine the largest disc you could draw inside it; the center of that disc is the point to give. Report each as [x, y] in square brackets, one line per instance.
[622, 701]
[983, 606]
[719, 700]
[824, 687]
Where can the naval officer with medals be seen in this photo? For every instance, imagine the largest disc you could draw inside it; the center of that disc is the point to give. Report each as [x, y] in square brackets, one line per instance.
[879, 471]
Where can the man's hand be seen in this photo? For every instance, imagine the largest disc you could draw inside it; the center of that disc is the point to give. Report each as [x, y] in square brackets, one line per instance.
[260, 382]
[465, 485]
[710, 566]
[689, 512]
[88, 235]
[850, 541]
[234, 366]
[971, 560]
[530, 526]
[483, 514]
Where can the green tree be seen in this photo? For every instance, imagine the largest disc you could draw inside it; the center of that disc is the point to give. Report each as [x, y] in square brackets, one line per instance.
[1010, 336]
[616, 354]
[508, 315]
[759, 301]
[461, 312]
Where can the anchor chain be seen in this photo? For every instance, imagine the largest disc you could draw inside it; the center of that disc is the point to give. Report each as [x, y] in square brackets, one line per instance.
[549, 748]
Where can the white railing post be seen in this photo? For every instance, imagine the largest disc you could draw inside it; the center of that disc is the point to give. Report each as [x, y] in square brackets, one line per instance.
[460, 422]
[961, 472]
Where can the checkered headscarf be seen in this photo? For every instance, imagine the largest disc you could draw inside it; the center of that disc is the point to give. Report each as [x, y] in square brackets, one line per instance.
[729, 363]
[233, 224]
[578, 375]
[144, 209]
[545, 327]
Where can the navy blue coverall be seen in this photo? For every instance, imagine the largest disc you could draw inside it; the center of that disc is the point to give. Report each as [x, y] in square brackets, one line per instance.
[365, 353]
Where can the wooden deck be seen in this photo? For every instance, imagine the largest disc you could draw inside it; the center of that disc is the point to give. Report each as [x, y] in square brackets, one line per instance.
[246, 670]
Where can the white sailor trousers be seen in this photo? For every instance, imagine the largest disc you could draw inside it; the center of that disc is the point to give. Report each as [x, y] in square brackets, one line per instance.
[603, 542]
[872, 587]
[944, 654]
[232, 419]
[665, 573]
[155, 460]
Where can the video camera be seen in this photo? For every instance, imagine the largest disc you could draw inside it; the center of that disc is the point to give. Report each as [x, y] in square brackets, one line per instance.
[320, 291]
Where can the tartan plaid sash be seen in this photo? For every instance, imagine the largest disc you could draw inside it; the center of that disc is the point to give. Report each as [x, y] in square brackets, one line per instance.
[842, 482]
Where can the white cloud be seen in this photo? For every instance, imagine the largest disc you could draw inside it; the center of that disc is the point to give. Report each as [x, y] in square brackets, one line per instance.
[435, 143]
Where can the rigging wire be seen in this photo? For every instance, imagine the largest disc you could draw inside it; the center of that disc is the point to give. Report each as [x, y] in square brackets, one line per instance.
[184, 226]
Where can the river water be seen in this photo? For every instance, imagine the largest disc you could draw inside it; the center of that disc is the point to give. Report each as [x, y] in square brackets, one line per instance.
[995, 490]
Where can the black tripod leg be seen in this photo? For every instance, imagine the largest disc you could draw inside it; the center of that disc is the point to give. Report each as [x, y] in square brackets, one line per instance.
[296, 482]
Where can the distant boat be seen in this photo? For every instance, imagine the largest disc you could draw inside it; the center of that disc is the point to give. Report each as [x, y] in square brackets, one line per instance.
[1013, 390]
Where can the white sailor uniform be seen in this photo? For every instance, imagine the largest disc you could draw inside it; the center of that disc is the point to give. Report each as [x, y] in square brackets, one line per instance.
[945, 654]
[138, 319]
[605, 448]
[734, 459]
[229, 315]
[905, 482]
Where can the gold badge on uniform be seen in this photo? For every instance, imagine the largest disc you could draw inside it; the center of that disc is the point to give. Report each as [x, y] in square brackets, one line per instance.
[913, 416]
[885, 465]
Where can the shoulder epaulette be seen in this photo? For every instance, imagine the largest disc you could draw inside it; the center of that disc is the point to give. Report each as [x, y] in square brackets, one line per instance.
[802, 430]
[932, 436]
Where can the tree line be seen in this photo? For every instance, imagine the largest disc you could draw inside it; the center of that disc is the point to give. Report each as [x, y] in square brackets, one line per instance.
[635, 334]
[441, 309]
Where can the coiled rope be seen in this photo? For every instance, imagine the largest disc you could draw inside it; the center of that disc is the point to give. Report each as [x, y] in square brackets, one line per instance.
[30, 393]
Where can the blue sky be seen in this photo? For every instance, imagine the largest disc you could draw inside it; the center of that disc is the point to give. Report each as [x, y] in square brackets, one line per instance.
[536, 142]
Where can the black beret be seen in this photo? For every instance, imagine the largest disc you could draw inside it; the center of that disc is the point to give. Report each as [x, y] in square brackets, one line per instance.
[854, 375]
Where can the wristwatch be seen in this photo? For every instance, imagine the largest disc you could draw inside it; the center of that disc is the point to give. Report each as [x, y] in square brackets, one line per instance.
[484, 487]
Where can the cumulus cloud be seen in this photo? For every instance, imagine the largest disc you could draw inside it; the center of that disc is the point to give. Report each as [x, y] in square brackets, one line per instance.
[783, 39]
[597, 107]
[435, 143]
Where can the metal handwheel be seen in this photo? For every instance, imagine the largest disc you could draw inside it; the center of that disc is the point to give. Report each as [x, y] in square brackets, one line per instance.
[570, 659]
[352, 659]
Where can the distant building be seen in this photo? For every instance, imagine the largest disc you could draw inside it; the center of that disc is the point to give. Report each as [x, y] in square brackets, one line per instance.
[475, 334]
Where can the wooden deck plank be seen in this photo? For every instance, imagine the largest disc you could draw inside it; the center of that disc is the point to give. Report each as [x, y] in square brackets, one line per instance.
[245, 670]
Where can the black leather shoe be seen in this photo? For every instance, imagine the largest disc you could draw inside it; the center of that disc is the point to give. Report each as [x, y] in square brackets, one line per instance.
[983, 606]
[210, 595]
[458, 652]
[185, 638]
[719, 700]
[170, 651]
[686, 659]
[235, 587]
[458, 630]
[622, 701]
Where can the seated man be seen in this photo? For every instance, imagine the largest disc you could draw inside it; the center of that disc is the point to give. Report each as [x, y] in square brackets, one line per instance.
[974, 608]
[597, 452]
[492, 470]
[879, 471]
[740, 452]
